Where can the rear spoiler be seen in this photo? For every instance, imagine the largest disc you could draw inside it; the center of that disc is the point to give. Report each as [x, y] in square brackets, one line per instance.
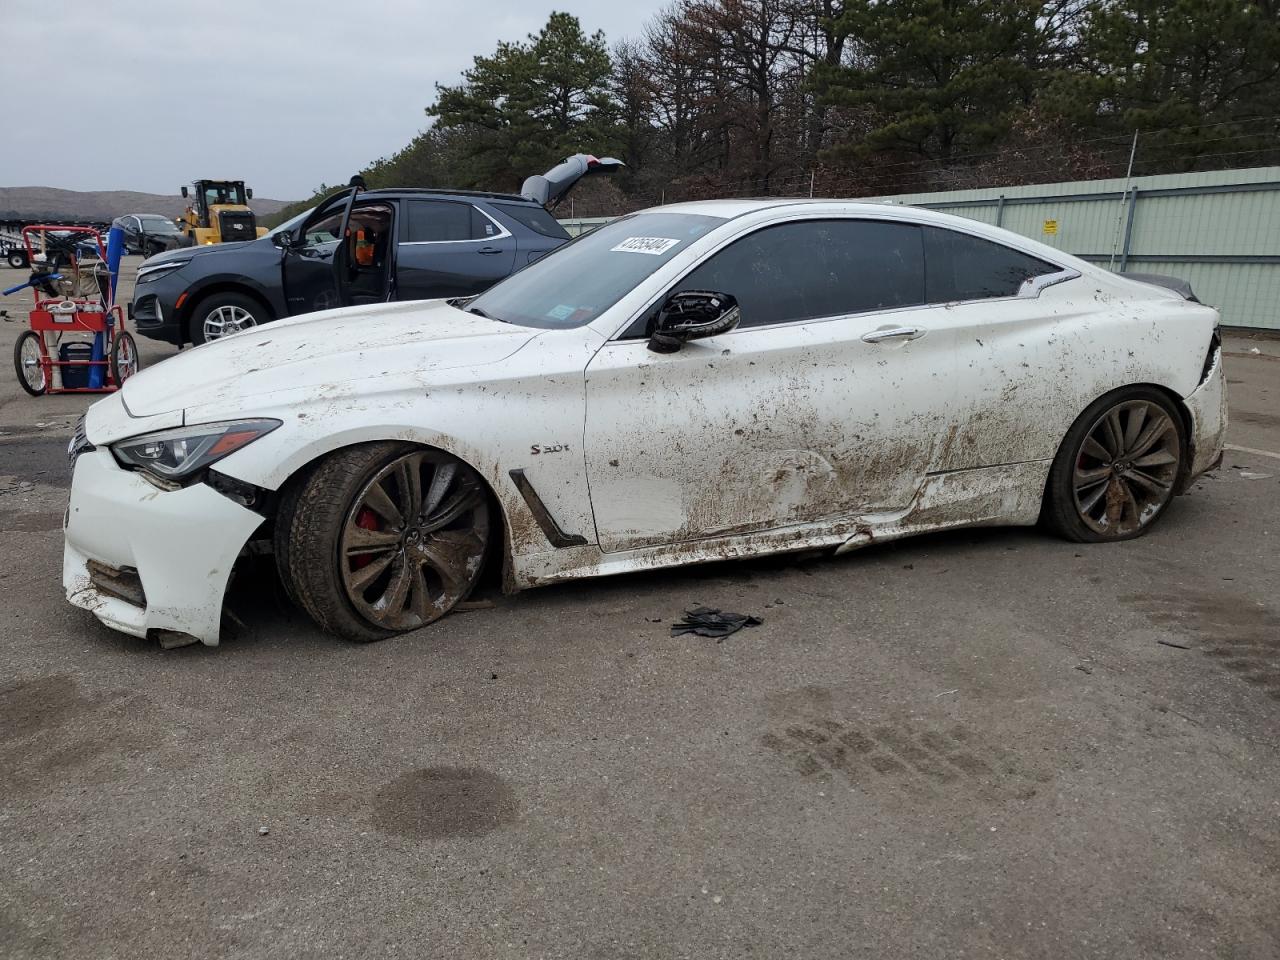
[1176, 284]
[552, 187]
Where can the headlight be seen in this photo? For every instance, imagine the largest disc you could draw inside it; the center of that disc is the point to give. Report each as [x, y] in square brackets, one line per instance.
[156, 271]
[174, 455]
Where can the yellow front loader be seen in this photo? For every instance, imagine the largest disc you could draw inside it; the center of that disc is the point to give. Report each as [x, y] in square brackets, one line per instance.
[219, 212]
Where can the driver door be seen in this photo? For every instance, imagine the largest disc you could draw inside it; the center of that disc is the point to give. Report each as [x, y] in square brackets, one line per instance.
[829, 401]
[315, 260]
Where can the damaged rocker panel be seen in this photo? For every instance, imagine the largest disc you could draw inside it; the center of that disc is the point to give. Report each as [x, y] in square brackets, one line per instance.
[547, 523]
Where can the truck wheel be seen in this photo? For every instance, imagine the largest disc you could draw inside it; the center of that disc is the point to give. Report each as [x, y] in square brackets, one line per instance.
[221, 315]
[17, 259]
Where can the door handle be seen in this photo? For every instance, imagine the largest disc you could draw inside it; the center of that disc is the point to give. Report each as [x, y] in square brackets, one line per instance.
[893, 333]
[489, 251]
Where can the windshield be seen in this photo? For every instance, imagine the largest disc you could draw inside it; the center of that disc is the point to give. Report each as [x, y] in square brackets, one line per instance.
[223, 194]
[576, 283]
[291, 222]
[159, 225]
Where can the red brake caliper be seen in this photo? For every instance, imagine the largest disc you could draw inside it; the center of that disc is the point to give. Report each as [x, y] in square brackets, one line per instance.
[367, 519]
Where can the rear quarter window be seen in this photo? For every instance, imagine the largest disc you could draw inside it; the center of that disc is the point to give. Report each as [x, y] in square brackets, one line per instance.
[535, 218]
[963, 267]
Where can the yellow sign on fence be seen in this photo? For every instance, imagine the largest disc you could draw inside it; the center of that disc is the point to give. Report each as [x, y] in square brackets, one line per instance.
[1051, 227]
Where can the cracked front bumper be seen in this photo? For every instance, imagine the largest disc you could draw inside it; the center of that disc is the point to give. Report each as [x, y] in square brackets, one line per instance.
[181, 543]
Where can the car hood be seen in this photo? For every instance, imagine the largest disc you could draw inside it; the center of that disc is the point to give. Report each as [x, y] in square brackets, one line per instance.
[197, 250]
[316, 353]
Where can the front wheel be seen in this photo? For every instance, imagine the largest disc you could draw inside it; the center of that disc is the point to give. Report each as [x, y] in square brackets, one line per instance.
[124, 357]
[383, 538]
[17, 260]
[224, 314]
[28, 357]
[1118, 468]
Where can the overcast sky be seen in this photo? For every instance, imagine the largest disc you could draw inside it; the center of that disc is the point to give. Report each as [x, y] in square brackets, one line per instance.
[284, 94]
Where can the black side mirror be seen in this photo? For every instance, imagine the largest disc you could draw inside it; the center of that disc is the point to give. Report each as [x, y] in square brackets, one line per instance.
[282, 239]
[249, 193]
[184, 193]
[692, 315]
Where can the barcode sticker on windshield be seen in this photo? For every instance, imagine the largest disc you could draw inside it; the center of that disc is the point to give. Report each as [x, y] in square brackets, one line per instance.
[653, 245]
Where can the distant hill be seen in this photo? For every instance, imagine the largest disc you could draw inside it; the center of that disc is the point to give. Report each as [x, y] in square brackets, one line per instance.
[27, 203]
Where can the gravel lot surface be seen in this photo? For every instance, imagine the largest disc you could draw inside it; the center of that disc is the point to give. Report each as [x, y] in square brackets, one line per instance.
[967, 745]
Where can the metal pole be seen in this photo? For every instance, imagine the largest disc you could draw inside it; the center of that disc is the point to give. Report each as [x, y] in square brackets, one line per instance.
[1128, 176]
[1128, 228]
[1000, 211]
[811, 176]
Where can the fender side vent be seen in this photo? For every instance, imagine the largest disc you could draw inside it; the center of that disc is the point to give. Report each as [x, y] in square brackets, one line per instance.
[546, 523]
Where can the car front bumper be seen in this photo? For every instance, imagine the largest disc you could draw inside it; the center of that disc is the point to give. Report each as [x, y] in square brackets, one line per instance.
[144, 559]
[154, 309]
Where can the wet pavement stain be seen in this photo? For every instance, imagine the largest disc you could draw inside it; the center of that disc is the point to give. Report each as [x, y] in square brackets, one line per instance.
[11, 521]
[34, 705]
[37, 459]
[1237, 632]
[54, 733]
[439, 803]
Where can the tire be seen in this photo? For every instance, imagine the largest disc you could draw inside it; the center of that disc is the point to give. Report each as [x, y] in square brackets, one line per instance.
[225, 311]
[17, 260]
[356, 571]
[1118, 468]
[31, 377]
[124, 357]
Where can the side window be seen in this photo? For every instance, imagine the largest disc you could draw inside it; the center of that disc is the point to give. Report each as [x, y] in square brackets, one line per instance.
[535, 218]
[322, 236]
[434, 221]
[961, 267]
[817, 268]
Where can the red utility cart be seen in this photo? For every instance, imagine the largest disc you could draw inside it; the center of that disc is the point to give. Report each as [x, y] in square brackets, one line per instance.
[72, 296]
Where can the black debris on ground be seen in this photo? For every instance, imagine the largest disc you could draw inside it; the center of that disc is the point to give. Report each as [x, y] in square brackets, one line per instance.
[710, 622]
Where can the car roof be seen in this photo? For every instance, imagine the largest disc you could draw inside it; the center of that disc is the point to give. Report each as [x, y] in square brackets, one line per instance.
[432, 191]
[729, 209]
[732, 209]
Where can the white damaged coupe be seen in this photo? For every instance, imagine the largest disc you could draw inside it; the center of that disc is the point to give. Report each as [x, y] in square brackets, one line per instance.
[691, 383]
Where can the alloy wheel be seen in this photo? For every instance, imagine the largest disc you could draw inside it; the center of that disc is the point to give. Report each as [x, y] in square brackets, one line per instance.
[226, 320]
[1126, 468]
[413, 541]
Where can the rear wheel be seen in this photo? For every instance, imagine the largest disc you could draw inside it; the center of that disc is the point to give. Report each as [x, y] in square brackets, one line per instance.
[27, 357]
[221, 315]
[1118, 468]
[124, 357]
[383, 538]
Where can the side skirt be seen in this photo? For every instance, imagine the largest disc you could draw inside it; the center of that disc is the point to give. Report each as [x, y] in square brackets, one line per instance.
[1007, 495]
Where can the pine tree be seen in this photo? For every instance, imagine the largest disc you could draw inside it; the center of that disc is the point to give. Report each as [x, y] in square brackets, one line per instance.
[530, 104]
[939, 78]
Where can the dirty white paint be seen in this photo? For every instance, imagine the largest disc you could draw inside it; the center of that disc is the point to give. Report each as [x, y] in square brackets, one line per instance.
[183, 543]
[757, 440]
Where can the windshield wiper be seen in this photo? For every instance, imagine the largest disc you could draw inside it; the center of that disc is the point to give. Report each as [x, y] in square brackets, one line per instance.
[480, 313]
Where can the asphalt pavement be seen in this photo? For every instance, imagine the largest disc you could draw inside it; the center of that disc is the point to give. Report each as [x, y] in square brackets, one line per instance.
[987, 743]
